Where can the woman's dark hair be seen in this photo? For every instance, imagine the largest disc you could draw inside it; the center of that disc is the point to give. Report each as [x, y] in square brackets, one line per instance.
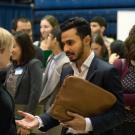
[130, 45]
[118, 47]
[97, 38]
[26, 45]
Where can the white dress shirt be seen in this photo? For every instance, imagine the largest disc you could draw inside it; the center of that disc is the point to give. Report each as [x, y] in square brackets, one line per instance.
[84, 70]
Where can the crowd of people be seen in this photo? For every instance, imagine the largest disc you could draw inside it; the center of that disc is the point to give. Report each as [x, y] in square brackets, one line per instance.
[32, 72]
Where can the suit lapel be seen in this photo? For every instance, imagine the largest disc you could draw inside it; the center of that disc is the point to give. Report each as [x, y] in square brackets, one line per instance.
[92, 69]
[45, 73]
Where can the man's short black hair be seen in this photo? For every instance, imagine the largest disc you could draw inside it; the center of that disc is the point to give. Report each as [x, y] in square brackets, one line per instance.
[56, 33]
[118, 47]
[100, 20]
[16, 20]
[79, 23]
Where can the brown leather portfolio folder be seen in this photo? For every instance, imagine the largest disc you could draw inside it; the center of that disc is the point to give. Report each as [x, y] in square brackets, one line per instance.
[82, 97]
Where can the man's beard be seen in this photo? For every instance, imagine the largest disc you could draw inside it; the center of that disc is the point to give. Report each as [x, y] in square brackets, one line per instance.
[79, 54]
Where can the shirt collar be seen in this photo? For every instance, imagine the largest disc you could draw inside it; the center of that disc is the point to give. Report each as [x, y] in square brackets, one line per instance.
[87, 62]
[56, 57]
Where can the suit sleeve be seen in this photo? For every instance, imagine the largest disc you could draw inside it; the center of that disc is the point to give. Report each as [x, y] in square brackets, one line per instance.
[35, 72]
[48, 122]
[114, 116]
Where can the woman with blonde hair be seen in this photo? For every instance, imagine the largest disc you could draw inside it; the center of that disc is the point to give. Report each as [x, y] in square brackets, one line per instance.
[7, 121]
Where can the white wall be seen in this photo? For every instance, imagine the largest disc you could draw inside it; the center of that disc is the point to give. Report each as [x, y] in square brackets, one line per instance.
[125, 21]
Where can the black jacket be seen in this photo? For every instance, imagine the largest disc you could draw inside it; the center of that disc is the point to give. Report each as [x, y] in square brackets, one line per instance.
[7, 121]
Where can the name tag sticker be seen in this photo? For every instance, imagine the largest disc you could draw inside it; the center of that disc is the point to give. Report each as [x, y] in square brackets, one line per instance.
[18, 71]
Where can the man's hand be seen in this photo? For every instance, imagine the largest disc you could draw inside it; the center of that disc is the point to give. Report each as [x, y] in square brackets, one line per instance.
[77, 123]
[49, 41]
[113, 57]
[28, 122]
[22, 131]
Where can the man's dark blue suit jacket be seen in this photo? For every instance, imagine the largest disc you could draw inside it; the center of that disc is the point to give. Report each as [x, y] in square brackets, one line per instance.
[105, 76]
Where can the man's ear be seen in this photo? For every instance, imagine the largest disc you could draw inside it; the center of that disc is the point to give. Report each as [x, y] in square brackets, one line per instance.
[87, 40]
[55, 41]
[102, 29]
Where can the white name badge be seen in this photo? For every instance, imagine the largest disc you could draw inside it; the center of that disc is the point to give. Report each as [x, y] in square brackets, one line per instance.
[18, 71]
